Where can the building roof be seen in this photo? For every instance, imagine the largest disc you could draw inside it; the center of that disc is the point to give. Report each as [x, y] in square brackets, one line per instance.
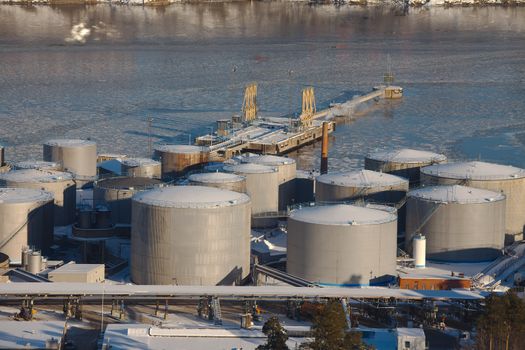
[216, 177]
[76, 268]
[407, 155]
[474, 171]
[342, 214]
[70, 143]
[29, 335]
[23, 195]
[362, 178]
[456, 194]
[36, 176]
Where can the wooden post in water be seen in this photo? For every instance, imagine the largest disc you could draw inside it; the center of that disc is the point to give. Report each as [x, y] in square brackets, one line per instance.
[324, 149]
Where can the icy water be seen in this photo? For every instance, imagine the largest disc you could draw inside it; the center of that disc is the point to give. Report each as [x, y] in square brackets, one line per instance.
[463, 71]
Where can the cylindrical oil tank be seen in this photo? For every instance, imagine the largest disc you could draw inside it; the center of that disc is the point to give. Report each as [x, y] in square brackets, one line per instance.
[117, 192]
[462, 224]
[85, 218]
[506, 179]
[304, 187]
[342, 245]
[103, 217]
[61, 184]
[26, 219]
[34, 264]
[262, 185]
[177, 159]
[140, 167]
[419, 251]
[287, 169]
[225, 181]
[36, 164]
[2, 156]
[190, 235]
[79, 157]
[403, 162]
[25, 257]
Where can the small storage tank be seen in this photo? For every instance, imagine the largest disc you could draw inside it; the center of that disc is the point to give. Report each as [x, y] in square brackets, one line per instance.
[460, 223]
[419, 251]
[140, 167]
[76, 156]
[177, 159]
[26, 219]
[403, 162]
[506, 179]
[117, 192]
[367, 184]
[225, 181]
[287, 170]
[34, 264]
[2, 156]
[342, 245]
[190, 235]
[262, 185]
[60, 184]
[37, 164]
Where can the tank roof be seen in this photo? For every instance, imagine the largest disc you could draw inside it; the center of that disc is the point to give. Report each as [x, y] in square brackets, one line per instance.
[23, 195]
[134, 162]
[407, 155]
[200, 197]
[185, 149]
[474, 171]
[361, 178]
[36, 164]
[70, 143]
[342, 214]
[270, 160]
[216, 177]
[249, 168]
[128, 183]
[456, 194]
[36, 176]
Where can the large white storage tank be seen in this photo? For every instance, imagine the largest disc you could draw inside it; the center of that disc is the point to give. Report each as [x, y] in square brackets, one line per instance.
[494, 177]
[26, 219]
[78, 157]
[461, 224]
[37, 164]
[140, 167]
[225, 181]
[177, 159]
[60, 184]
[403, 162]
[342, 245]
[190, 235]
[287, 169]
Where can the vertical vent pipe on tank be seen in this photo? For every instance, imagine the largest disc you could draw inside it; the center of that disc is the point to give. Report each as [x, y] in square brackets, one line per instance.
[324, 149]
[419, 251]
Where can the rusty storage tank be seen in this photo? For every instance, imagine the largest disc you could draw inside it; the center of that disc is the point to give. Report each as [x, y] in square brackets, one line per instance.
[60, 184]
[177, 159]
[116, 193]
[461, 224]
[287, 169]
[262, 185]
[403, 162]
[26, 219]
[2, 156]
[140, 167]
[226, 181]
[78, 157]
[342, 245]
[506, 179]
[190, 235]
[37, 164]
[367, 184]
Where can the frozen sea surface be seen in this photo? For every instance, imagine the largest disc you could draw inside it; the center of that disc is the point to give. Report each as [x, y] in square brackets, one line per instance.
[463, 71]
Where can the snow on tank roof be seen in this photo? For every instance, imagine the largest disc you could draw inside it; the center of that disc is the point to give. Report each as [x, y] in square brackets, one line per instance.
[269, 160]
[36, 164]
[187, 149]
[134, 162]
[216, 177]
[191, 197]
[361, 178]
[23, 195]
[456, 194]
[342, 214]
[36, 176]
[407, 155]
[70, 143]
[474, 171]
[249, 168]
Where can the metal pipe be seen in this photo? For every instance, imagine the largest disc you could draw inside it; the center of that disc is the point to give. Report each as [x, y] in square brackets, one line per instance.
[324, 149]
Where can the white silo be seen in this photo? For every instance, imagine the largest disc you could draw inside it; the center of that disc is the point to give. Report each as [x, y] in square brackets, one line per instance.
[505, 179]
[26, 219]
[140, 167]
[462, 224]
[60, 184]
[190, 235]
[226, 181]
[37, 164]
[342, 245]
[177, 159]
[419, 251]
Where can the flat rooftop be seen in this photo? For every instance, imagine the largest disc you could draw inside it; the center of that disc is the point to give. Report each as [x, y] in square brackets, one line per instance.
[30, 335]
[76, 268]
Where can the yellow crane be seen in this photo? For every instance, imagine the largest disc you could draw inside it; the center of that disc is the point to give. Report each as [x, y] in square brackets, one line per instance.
[308, 108]
[249, 104]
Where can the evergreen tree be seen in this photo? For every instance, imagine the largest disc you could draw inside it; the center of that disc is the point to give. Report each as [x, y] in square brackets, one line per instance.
[276, 334]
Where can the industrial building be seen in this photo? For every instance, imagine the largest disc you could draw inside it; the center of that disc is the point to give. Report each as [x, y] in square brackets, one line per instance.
[140, 167]
[26, 219]
[176, 159]
[60, 184]
[460, 223]
[342, 245]
[190, 235]
[506, 179]
[84, 273]
[402, 162]
[32, 335]
[225, 181]
[78, 157]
